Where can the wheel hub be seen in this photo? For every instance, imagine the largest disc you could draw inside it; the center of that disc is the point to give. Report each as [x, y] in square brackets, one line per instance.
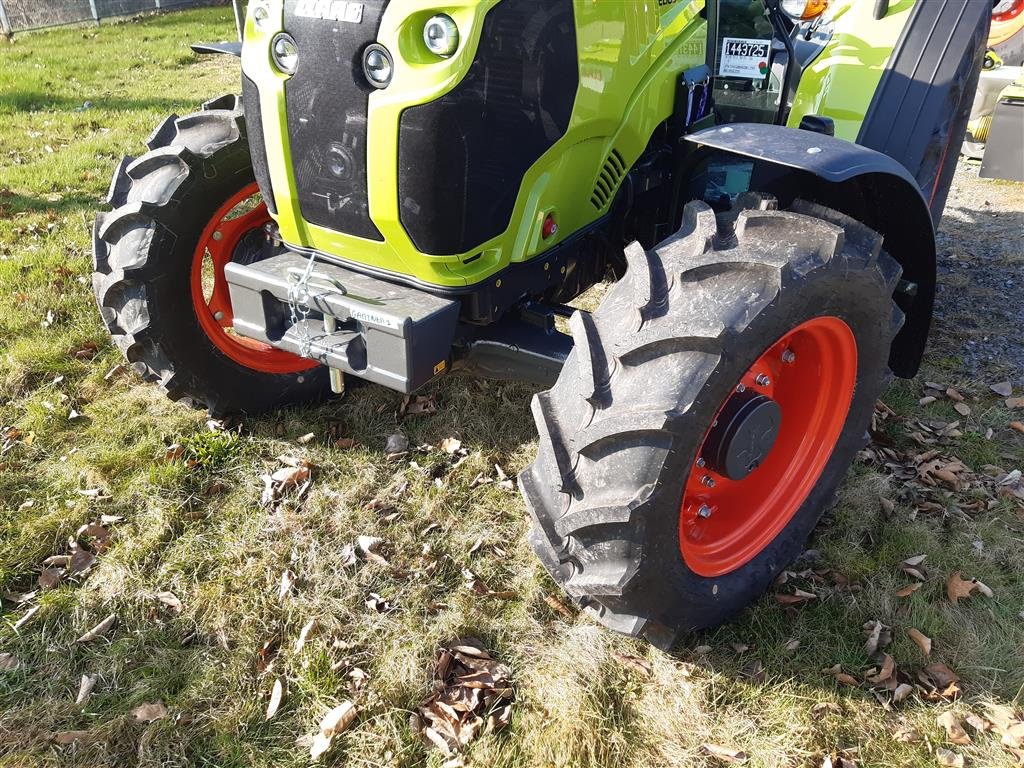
[744, 435]
[754, 469]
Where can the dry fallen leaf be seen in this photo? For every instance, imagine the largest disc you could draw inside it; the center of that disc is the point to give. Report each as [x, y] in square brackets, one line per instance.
[369, 545]
[334, 722]
[81, 561]
[99, 630]
[948, 758]
[978, 723]
[148, 713]
[557, 605]
[9, 662]
[170, 600]
[347, 555]
[903, 690]
[956, 587]
[954, 730]
[1013, 403]
[940, 682]
[66, 738]
[922, 642]
[471, 692]
[377, 603]
[908, 590]
[907, 735]
[1017, 426]
[287, 582]
[288, 477]
[304, 633]
[874, 632]
[799, 596]
[451, 445]
[26, 618]
[85, 689]
[725, 754]
[840, 676]
[50, 578]
[275, 699]
[886, 672]
[642, 666]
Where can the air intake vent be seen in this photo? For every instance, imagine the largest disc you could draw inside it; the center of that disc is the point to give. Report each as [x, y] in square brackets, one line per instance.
[611, 174]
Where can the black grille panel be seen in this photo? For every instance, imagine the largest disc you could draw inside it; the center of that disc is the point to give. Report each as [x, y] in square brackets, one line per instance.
[327, 102]
[257, 144]
[462, 158]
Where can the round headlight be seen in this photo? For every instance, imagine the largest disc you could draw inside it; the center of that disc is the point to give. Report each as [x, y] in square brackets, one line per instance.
[378, 66]
[804, 10]
[285, 52]
[441, 35]
[339, 162]
[261, 17]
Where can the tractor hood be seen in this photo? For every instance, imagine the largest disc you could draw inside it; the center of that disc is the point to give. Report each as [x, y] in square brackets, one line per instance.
[433, 160]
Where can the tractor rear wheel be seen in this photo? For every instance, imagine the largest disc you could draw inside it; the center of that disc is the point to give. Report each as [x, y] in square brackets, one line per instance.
[182, 211]
[709, 410]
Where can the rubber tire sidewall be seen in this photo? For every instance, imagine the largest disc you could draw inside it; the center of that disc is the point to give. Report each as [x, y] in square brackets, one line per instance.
[221, 383]
[700, 602]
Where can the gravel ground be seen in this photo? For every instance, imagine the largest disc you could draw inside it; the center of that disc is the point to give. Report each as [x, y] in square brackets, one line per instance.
[979, 314]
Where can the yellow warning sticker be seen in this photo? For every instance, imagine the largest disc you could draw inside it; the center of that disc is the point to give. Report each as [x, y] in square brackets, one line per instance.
[440, 367]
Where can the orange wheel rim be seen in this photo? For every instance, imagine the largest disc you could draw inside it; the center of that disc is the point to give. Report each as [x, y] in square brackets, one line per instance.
[810, 375]
[217, 243]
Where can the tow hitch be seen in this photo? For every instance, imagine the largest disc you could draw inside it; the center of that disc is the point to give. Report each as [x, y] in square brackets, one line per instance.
[392, 335]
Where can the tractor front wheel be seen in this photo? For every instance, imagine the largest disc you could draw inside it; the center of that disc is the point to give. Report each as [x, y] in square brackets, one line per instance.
[181, 213]
[709, 410]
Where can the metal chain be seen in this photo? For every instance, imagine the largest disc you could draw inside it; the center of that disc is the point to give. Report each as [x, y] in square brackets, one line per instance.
[298, 303]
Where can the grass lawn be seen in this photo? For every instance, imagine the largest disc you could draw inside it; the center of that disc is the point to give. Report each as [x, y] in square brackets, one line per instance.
[84, 441]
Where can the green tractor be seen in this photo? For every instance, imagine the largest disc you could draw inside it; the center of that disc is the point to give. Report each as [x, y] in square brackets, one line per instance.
[413, 187]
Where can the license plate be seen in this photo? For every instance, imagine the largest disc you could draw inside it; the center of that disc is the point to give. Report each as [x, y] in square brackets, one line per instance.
[742, 57]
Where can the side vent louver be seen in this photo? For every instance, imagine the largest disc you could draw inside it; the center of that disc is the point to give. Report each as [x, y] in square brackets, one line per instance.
[608, 181]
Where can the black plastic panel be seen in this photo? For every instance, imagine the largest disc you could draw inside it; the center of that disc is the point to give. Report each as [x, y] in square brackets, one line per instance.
[257, 144]
[462, 158]
[929, 87]
[326, 102]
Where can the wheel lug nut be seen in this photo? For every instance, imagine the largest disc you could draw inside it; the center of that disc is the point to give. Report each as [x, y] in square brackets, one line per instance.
[701, 462]
[762, 380]
[217, 235]
[704, 512]
[789, 356]
[708, 481]
[741, 388]
[218, 315]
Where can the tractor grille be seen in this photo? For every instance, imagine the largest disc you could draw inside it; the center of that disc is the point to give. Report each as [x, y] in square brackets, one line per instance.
[608, 181]
[327, 101]
[462, 157]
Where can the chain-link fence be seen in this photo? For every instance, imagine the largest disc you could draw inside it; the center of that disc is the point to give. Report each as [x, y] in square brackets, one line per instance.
[23, 15]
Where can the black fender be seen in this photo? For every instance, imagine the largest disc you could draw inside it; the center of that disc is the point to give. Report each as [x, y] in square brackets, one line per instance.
[866, 185]
[920, 110]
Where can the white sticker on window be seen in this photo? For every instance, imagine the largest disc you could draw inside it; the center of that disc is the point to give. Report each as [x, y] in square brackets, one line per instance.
[744, 58]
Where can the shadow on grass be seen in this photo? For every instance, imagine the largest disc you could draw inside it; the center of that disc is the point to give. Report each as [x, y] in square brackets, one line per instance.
[33, 101]
[12, 204]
